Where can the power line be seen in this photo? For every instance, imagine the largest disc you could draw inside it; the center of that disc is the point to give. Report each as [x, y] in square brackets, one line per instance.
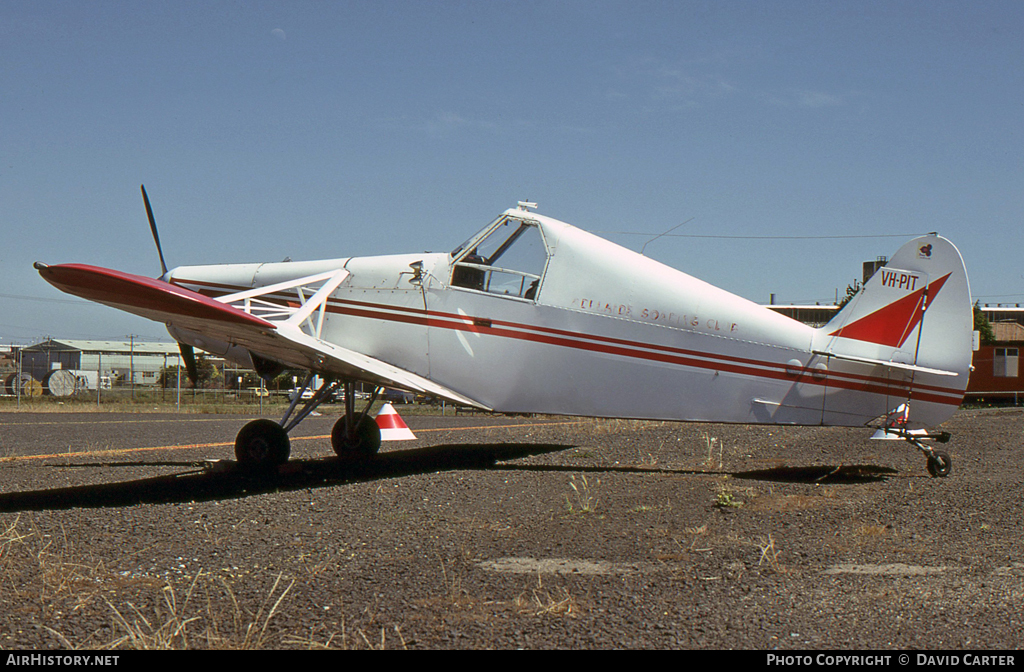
[22, 297]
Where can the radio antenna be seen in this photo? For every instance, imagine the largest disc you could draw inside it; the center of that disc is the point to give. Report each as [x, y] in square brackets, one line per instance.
[665, 234]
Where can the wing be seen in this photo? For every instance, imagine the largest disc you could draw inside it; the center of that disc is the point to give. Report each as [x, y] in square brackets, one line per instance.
[254, 319]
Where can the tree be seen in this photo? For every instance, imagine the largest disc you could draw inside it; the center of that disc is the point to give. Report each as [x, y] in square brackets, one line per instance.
[206, 370]
[851, 291]
[983, 326]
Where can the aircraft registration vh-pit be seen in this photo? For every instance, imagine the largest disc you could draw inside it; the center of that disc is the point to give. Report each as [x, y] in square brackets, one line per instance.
[533, 315]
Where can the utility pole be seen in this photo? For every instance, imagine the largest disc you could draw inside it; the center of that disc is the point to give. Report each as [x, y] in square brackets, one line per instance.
[131, 363]
[17, 382]
[177, 402]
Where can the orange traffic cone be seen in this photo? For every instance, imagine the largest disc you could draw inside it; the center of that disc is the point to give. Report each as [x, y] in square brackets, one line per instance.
[392, 427]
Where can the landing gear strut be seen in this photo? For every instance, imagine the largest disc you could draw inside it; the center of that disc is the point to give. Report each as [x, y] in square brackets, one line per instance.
[264, 444]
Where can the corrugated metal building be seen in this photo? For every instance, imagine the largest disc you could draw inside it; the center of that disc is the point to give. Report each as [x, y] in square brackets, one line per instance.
[126, 361]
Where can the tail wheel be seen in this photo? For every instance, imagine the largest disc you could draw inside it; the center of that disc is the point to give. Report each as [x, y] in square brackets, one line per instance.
[262, 444]
[939, 464]
[363, 442]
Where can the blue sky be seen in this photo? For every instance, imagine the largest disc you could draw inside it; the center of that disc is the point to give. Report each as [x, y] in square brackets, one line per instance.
[324, 129]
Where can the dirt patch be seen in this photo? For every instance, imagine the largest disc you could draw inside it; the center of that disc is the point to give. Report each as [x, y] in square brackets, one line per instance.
[557, 566]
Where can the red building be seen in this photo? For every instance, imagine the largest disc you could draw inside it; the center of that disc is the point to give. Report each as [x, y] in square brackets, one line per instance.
[997, 375]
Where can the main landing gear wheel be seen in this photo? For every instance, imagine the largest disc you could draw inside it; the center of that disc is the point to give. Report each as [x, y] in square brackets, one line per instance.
[363, 442]
[939, 464]
[262, 444]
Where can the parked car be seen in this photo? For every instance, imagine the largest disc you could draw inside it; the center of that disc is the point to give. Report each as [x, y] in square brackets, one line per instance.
[397, 396]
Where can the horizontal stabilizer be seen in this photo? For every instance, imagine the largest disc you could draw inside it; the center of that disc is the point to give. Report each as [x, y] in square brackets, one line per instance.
[893, 365]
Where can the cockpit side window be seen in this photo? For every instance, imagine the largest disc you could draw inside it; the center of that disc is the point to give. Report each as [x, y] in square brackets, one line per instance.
[509, 261]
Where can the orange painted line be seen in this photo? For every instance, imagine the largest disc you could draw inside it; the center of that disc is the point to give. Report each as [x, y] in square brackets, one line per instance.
[116, 451]
[112, 422]
[221, 444]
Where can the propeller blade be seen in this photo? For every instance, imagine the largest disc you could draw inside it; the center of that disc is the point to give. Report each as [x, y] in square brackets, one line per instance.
[152, 227]
[188, 355]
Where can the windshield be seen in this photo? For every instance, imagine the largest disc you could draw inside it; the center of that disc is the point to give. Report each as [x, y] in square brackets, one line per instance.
[462, 246]
[508, 261]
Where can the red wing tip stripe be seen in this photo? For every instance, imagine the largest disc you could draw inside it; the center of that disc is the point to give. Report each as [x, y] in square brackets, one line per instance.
[127, 290]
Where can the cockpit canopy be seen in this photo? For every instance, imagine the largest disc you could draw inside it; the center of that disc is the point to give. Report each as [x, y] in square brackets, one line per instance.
[506, 258]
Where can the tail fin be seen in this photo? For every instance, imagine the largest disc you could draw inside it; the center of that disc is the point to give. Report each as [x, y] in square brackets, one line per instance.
[914, 316]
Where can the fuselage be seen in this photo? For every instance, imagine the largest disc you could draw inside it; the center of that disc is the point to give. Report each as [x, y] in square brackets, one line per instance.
[535, 315]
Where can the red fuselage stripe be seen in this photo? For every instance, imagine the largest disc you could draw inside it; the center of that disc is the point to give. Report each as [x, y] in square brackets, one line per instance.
[615, 346]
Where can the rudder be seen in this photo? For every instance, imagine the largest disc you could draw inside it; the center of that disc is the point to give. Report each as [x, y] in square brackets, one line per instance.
[915, 313]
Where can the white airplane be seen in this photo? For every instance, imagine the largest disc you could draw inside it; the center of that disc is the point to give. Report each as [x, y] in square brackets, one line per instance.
[533, 315]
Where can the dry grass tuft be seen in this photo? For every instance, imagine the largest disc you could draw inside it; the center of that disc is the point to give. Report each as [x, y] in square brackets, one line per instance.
[54, 582]
[709, 443]
[769, 554]
[583, 500]
[543, 602]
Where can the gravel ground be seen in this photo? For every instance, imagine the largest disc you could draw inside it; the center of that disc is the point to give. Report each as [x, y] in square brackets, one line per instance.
[495, 532]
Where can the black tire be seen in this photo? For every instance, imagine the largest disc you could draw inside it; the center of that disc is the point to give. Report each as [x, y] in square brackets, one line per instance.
[17, 381]
[940, 464]
[365, 443]
[262, 444]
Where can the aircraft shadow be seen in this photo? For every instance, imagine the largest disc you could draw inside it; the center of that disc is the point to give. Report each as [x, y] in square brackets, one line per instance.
[234, 482]
[850, 474]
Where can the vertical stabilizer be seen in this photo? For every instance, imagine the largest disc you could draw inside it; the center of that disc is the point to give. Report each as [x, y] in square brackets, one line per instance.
[915, 313]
